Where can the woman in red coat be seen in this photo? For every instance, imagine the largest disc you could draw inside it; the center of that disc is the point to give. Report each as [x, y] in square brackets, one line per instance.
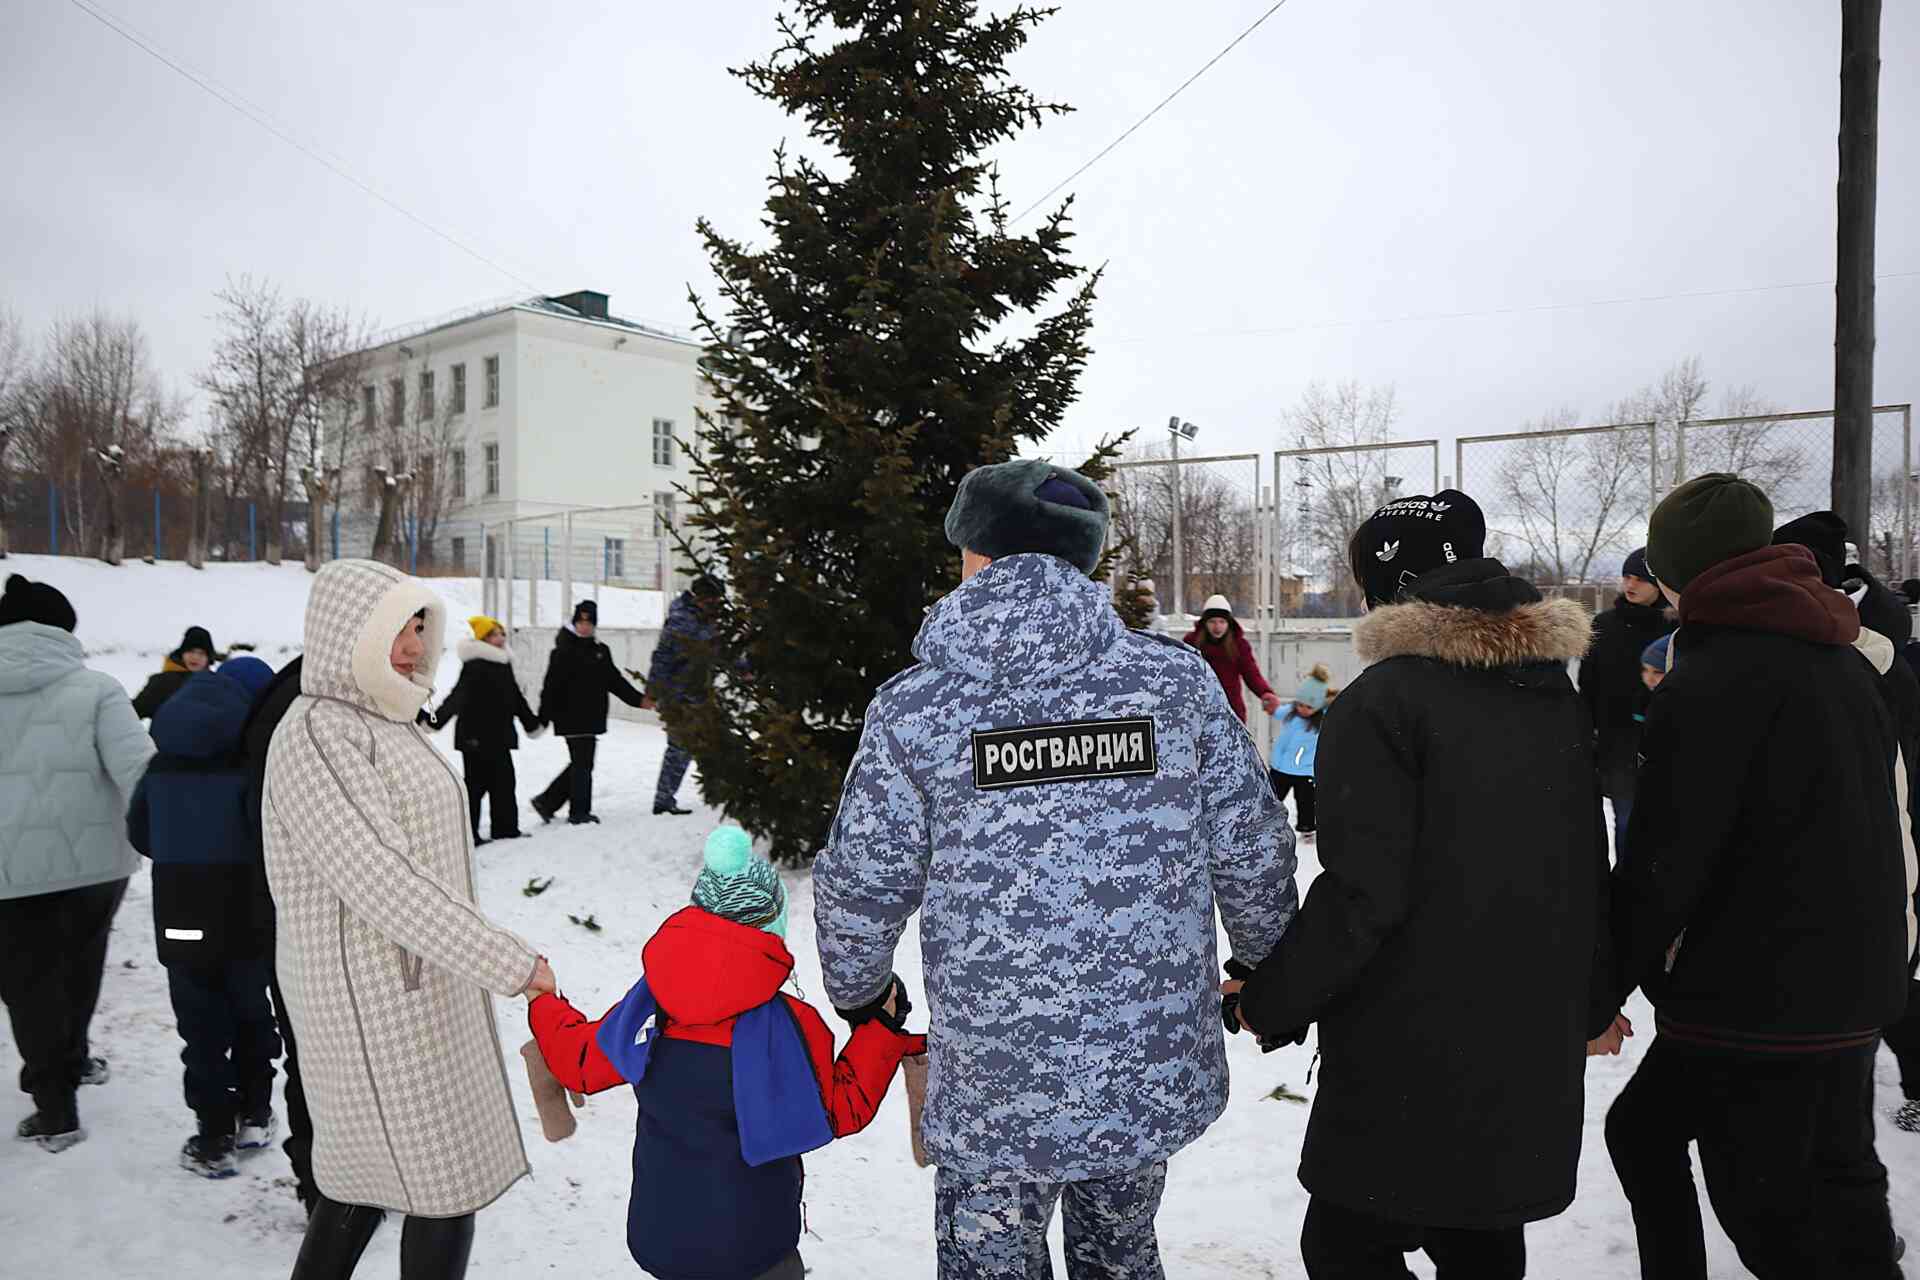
[1226, 650]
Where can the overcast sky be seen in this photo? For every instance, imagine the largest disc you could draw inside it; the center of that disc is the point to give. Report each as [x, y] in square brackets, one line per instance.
[1351, 164]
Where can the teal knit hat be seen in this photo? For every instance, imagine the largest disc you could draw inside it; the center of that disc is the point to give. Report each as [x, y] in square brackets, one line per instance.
[735, 885]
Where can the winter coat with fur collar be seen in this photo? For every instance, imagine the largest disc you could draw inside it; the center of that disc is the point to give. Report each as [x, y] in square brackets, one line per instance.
[1450, 947]
[486, 701]
[384, 958]
[1765, 826]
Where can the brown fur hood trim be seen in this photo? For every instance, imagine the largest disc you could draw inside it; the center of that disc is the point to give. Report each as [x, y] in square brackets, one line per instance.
[1547, 631]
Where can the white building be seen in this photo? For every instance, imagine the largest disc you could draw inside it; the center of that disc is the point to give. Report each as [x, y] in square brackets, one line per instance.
[524, 410]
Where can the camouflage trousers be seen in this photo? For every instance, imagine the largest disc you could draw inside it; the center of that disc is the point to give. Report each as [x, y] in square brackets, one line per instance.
[673, 770]
[998, 1230]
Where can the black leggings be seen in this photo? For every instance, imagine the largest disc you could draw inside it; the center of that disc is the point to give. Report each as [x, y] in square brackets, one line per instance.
[337, 1234]
[1302, 789]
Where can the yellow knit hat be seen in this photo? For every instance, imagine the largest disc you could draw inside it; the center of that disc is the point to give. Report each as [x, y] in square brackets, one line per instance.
[483, 626]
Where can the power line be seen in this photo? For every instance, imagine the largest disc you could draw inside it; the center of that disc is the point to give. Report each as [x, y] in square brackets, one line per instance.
[266, 122]
[1101, 154]
[1530, 309]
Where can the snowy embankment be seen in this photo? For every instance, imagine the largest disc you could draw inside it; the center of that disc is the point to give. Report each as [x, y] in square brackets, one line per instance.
[118, 1205]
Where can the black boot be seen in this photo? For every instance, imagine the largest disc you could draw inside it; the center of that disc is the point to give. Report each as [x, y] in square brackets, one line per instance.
[53, 1128]
[209, 1153]
[337, 1235]
[436, 1248]
[671, 806]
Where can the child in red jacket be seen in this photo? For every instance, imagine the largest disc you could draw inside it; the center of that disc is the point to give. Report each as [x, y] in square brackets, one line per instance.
[735, 1079]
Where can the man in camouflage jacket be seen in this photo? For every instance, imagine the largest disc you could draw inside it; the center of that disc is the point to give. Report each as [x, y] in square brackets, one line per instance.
[1064, 801]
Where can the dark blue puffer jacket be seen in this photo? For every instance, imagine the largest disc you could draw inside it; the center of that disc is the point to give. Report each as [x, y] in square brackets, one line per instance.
[190, 815]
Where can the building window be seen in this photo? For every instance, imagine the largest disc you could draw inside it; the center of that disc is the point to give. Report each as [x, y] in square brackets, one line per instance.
[490, 459]
[616, 558]
[459, 549]
[663, 442]
[493, 383]
[426, 395]
[663, 514]
[459, 474]
[369, 411]
[459, 404]
[396, 402]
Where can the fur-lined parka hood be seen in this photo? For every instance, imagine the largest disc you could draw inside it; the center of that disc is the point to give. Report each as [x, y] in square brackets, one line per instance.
[481, 651]
[1527, 631]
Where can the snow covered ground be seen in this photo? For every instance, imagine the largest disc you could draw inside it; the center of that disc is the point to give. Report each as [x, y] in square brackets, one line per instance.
[118, 1204]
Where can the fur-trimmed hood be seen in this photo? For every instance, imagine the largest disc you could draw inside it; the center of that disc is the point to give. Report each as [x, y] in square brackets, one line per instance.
[1544, 631]
[481, 651]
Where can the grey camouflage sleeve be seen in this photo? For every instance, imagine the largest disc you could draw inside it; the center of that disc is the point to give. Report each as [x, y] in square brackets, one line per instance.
[1249, 844]
[340, 828]
[872, 875]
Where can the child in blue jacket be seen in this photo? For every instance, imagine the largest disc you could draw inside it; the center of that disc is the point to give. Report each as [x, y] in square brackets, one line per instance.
[1295, 739]
[736, 1079]
[212, 916]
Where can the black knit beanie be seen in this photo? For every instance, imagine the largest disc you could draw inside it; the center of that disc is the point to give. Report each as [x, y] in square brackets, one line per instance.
[1825, 534]
[1706, 521]
[587, 609]
[197, 638]
[1636, 565]
[28, 601]
[1412, 536]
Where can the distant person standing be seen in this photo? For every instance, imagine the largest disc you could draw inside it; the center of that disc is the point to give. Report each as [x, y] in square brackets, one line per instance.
[1221, 642]
[682, 664]
[573, 699]
[486, 701]
[195, 654]
[71, 754]
[1296, 742]
[1611, 685]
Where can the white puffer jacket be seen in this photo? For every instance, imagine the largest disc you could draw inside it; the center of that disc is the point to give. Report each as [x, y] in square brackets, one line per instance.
[71, 753]
[384, 957]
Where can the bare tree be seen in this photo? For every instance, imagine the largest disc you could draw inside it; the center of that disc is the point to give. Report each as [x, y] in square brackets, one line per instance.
[13, 370]
[1335, 492]
[92, 405]
[1216, 523]
[1573, 497]
[277, 365]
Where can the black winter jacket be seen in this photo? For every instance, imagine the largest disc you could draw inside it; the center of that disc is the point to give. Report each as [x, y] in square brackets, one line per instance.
[1452, 949]
[1610, 679]
[486, 700]
[268, 710]
[1765, 828]
[580, 675]
[160, 686]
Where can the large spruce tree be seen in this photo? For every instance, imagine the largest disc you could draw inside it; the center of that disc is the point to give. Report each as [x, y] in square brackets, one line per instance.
[891, 333]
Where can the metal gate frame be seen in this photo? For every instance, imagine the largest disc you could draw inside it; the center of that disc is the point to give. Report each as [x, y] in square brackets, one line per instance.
[1270, 563]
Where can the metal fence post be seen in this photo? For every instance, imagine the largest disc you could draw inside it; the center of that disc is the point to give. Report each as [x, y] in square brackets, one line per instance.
[1679, 451]
[252, 539]
[1906, 486]
[566, 568]
[510, 576]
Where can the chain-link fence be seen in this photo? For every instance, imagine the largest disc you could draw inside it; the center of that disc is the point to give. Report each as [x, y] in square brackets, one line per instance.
[1320, 496]
[1790, 456]
[580, 549]
[1194, 525]
[1564, 505]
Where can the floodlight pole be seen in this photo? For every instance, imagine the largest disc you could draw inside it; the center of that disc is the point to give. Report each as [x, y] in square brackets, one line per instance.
[1179, 577]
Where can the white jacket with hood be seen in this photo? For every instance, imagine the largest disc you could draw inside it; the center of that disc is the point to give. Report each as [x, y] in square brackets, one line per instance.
[71, 753]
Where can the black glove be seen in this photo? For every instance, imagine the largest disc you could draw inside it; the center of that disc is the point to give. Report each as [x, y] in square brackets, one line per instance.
[897, 1021]
[1230, 1004]
[877, 1007]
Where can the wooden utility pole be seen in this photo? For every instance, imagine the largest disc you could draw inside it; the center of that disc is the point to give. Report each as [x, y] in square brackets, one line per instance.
[1853, 287]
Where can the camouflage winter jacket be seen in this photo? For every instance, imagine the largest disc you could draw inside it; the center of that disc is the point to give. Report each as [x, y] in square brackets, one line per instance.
[1063, 800]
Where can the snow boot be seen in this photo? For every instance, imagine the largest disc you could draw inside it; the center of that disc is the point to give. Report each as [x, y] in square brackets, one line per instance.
[51, 1133]
[672, 807]
[209, 1152]
[546, 814]
[98, 1072]
[1908, 1116]
[590, 819]
[257, 1131]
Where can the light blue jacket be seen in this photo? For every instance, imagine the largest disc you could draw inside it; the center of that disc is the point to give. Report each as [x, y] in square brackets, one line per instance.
[1295, 740]
[1064, 802]
[71, 754]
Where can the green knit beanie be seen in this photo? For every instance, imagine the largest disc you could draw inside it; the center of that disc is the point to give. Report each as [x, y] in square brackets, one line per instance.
[735, 885]
[1707, 520]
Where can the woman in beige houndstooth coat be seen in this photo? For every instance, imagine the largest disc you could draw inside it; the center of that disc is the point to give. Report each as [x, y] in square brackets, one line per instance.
[385, 960]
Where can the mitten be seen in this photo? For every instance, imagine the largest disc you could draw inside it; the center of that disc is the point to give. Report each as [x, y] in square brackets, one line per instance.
[549, 1098]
